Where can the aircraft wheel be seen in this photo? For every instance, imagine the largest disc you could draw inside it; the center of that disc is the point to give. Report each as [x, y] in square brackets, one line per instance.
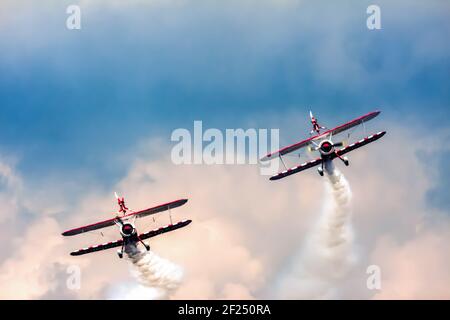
[320, 170]
[346, 162]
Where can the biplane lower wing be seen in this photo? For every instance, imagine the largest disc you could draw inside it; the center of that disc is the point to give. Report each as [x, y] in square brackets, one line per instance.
[111, 222]
[358, 144]
[339, 152]
[348, 125]
[98, 247]
[297, 169]
[142, 236]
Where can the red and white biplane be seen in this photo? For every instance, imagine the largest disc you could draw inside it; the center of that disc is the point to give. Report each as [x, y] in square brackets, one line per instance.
[322, 142]
[126, 223]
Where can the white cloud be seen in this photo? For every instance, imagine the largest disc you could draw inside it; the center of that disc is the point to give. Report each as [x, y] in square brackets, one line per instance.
[246, 228]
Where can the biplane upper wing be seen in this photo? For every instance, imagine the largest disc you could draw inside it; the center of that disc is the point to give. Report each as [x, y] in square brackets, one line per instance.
[288, 149]
[143, 236]
[98, 247]
[350, 124]
[90, 227]
[157, 209]
[336, 130]
[112, 221]
[340, 152]
[168, 228]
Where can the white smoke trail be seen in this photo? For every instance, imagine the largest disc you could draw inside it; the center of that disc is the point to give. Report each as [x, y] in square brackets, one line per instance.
[158, 277]
[327, 255]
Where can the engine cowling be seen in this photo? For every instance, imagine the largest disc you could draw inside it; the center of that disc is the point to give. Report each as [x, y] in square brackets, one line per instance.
[326, 147]
[127, 230]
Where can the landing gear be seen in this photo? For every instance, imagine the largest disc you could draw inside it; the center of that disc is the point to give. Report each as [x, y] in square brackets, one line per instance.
[345, 160]
[147, 247]
[320, 170]
[120, 252]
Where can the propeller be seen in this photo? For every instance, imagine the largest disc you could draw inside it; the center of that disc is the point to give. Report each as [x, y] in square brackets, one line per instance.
[316, 146]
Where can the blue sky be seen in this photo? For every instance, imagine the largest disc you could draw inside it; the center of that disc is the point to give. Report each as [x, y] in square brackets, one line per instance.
[71, 100]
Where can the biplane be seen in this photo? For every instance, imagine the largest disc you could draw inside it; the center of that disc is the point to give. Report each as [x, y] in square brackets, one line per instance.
[125, 220]
[321, 140]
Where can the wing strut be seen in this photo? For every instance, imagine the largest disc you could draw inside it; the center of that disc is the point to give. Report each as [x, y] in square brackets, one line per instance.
[170, 216]
[282, 161]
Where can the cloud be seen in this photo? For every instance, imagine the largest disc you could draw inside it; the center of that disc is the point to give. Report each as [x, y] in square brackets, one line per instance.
[438, 195]
[28, 273]
[10, 190]
[245, 228]
[416, 268]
